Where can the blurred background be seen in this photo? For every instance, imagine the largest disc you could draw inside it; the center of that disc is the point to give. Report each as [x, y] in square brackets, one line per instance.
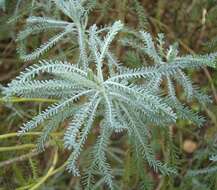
[191, 23]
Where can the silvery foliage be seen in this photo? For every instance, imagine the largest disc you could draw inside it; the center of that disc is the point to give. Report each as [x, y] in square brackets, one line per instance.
[126, 99]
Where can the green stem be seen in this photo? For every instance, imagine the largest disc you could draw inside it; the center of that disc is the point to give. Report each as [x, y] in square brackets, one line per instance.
[17, 147]
[18, 100]
[8, 135]
[49, 173]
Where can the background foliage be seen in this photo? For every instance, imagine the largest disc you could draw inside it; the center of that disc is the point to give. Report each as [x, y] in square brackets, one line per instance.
[192, 23]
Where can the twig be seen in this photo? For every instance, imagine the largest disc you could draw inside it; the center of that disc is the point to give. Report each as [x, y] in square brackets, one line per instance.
[19, 159]
[160, 184]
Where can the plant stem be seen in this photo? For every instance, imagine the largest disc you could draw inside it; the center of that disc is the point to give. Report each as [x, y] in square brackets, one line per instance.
[52, 173]
[18, 100]
[8, 135]
[17, 147]
[19, 159]
[49, 173]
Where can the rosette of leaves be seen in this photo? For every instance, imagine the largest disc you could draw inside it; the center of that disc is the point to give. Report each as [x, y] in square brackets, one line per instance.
[126, 99]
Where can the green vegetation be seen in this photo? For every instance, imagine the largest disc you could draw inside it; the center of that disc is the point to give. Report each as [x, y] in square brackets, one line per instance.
[93, 96]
